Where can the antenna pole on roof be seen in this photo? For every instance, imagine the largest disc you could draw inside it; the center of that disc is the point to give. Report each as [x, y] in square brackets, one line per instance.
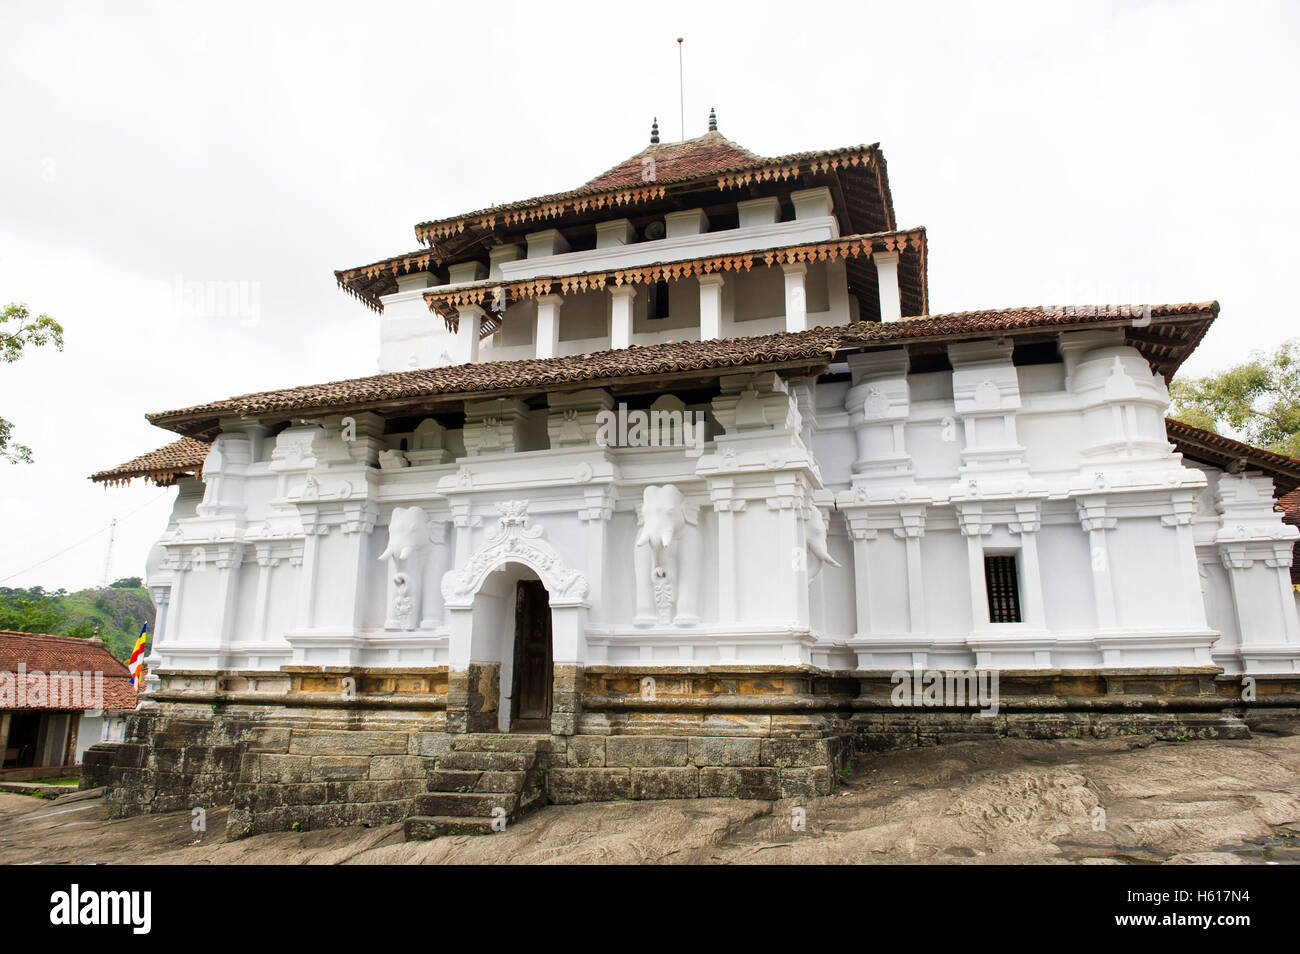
[681, 89]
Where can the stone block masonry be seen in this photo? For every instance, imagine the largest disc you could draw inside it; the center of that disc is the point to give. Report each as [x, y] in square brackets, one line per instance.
[298, 754]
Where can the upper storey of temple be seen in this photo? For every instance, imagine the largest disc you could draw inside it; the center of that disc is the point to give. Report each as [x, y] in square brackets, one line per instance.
[690, 240]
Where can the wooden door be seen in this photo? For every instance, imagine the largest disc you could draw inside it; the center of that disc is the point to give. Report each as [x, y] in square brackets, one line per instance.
[531, 695]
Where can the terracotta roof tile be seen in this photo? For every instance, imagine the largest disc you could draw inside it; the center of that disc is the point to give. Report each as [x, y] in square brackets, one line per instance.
[1219, 451]
[808, 348]
[162, 466]
[1290, 504]
[40, 652]
[704, 155]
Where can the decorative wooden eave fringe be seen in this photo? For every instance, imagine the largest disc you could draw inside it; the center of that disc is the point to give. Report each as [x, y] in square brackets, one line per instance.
[448, 303]
[358, 282]
[162, 477]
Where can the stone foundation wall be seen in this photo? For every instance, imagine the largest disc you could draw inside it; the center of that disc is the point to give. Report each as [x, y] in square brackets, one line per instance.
[305, 749]
[588, 768]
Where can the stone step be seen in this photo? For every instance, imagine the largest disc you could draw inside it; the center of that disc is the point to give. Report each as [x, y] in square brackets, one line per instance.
[500, 742]
[453, 780]
[487, 761]
[428, 827]
[466, 804]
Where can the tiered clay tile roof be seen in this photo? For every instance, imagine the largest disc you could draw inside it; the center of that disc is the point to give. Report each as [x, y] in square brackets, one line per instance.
[1219, 451]
[40, 652]
[858, 174]
[182, 458]
[711, 156]
[1166, 334]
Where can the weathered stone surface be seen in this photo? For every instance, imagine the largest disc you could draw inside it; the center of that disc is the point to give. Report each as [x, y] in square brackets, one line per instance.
[569, 785]
[398, 766]
[740, 782]
[806, 782]
[285, 769]
[665, 782]
[324, 742]
[500, 782]
[451, 780]
[587, 751]
[429, 744]
[486, 761]
[646, 750]
[268, 739]
[790, 753]
[722, 750]
[339, 767]
[497, 742]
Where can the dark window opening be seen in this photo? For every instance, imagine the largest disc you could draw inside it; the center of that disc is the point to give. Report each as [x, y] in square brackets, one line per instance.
[658, 305]
[1002, 581]
[929, 363]
[1038, 352]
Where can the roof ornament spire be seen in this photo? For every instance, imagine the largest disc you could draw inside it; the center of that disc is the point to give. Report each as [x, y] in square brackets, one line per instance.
[713, 119]
[654, 132]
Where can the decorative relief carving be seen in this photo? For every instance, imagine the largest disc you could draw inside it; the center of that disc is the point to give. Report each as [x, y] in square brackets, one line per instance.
[667, 557]
[815, 540]
[515, 540]
[409, 543]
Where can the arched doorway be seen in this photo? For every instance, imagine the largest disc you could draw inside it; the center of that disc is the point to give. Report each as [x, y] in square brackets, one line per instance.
[508, 643]
[512, 640]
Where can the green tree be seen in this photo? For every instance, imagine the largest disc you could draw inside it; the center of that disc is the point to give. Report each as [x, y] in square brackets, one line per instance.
[18, 330]
[126, 583]
[1259, 399]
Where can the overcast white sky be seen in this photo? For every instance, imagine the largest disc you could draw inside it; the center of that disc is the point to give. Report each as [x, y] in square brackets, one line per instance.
[1062, 153]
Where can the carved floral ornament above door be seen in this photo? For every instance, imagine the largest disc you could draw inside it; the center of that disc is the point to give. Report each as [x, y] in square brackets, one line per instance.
[516, 540]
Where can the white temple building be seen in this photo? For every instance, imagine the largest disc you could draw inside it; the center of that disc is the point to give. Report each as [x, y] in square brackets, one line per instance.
[694, 417]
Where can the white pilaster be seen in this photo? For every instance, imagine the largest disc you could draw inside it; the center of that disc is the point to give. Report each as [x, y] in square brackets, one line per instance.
[548, 325]
[620, 331]
[467, 335]
[710, 306]
[891, 303]
[796, 297]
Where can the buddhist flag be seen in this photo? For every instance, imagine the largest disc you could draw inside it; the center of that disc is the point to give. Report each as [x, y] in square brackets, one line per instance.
[135, 665]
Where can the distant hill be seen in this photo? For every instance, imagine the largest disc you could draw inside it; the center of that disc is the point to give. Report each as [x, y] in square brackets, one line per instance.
[118, 610]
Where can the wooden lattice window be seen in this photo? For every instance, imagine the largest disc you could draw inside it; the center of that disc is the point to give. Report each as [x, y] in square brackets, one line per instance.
[1002, 581]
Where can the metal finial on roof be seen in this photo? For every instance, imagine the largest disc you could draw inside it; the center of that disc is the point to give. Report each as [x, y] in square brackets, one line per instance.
[654, 132]
[713, 119]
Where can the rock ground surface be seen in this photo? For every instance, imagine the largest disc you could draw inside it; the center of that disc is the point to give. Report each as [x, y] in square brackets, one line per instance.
[1006, 801]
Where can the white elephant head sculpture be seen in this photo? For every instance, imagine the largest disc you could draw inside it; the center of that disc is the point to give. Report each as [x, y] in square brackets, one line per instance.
[408, 531]
[815, 538]
[663, 515]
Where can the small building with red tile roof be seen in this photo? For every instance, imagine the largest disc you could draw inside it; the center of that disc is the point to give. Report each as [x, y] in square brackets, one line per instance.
[59, 695]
